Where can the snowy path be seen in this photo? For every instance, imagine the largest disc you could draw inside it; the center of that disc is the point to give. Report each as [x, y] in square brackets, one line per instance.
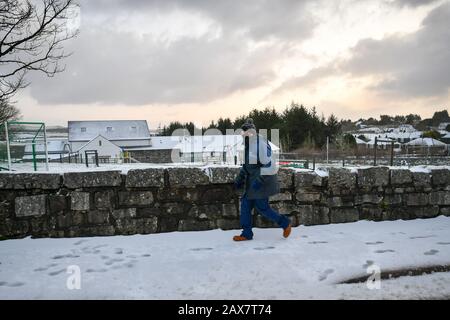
[208, 265]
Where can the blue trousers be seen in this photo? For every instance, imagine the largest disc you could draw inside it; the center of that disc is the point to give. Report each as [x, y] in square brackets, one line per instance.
[262, 206]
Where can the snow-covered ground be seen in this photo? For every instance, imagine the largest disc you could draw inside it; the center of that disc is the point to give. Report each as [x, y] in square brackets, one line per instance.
[209, 265]
[321, 169]
[124, 167]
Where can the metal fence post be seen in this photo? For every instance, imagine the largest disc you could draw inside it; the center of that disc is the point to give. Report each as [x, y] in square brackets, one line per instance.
[375, 151]
[392, 153]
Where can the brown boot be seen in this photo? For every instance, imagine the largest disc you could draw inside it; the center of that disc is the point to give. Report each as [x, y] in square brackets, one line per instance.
[287, 231]
[240, 238]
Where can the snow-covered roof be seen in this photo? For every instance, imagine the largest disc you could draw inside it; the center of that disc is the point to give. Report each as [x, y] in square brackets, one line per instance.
[443, 125]
[359, 141]
[371, 129]
[52, 146]
[404, 135]
[95, 140]
[426, 142]
[110, 129]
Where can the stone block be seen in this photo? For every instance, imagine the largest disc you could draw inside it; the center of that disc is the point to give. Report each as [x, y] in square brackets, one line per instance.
[440, 177]
[135, 198]
[144, 178]
[89, 179]
[400, 176]
[223, 174]
[187, 177]
[79, 201]
[30, 206]
[373, 177]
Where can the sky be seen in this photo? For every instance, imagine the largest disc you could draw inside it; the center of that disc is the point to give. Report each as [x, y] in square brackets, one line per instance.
[198, 60]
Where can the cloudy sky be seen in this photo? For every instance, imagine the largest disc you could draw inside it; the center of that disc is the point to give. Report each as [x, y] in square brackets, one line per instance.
[198, 60]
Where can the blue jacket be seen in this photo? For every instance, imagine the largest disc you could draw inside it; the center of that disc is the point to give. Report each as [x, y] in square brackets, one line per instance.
[257, 172]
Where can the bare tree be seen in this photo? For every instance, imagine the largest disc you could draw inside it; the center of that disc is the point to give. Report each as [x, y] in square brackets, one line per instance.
[8, 111]
[31, 38]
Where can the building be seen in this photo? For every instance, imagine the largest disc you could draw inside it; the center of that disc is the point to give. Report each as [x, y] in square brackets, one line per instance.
[426, 146]
[123, 133]
[108, 137]
[443, 125]
[56, 149]
[106, 150]
[446, 138]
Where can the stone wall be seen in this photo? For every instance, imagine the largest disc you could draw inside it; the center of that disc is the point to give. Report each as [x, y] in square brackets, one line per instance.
[104, 203]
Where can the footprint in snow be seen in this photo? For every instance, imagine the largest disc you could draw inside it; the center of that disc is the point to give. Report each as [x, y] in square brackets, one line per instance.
[46, 267]
[118, 251]
[112, 261]
[368, 264]
[146, 255]
[14, 284]
[422, 237]
[100, 246]
[96, 270]
[432, 252]
[264, 248]
[54, 273]
[384, 251]
[80, 242]
[201, 249]
[443, 243]
[325, 274]
[316, 242]
[374, 243]
[65, 256]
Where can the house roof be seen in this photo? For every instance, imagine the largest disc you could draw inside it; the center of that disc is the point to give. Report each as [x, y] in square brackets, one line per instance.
[95, 138]
[54, 146]
[426, 142]
[120, 130]
[359, 141]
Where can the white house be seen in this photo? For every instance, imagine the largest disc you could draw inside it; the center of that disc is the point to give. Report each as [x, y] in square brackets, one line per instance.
[205, 149]
[371, 130]
[56, 148]
[428, 142]
[123, 133]
[106, 150]
[443, 125]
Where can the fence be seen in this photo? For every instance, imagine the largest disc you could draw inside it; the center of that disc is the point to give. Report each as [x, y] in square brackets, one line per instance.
[385, 153]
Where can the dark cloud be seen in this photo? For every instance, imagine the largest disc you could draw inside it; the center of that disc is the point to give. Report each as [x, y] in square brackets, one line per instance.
[124, 68]
[414, 3]
[284, 19]
[413, 65]
[112, 64]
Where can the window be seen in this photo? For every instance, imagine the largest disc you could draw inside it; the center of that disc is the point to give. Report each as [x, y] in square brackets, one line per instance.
[83, 129]
[100, 143]
[108, 129]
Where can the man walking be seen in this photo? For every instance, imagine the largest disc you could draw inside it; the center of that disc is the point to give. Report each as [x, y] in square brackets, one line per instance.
[258, 185]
